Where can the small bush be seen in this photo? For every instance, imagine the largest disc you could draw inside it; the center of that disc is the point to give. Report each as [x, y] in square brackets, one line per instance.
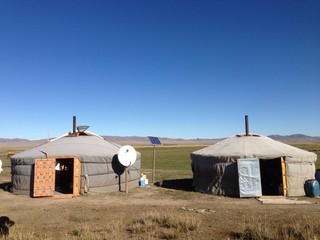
[164, 225]
[17, 233]
[304, 229]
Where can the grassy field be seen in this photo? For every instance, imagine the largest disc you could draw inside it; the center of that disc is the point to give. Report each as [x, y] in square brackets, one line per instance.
[171, 162]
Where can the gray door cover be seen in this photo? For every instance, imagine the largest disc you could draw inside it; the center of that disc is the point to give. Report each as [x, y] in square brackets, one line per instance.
[249, 177]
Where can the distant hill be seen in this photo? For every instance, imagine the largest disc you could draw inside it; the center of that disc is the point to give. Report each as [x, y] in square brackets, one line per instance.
[136, 140]
[122, 140]
[13, 140]
[295, 138]
[20, 142]
[144, 141]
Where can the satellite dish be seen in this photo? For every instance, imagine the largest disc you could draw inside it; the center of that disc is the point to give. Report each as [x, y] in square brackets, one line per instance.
[127, 155]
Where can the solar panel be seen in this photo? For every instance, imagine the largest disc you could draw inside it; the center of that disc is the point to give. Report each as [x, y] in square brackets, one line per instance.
[154, 140]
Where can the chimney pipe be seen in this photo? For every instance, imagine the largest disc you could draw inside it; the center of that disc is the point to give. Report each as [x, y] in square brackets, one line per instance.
[247, 125]
[74, 124]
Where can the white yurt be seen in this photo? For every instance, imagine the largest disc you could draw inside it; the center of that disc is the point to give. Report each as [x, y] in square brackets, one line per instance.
[76, 163]
[251, 165]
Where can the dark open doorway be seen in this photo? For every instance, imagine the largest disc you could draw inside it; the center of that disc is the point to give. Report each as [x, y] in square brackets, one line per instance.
[271, 177]
[64, 175]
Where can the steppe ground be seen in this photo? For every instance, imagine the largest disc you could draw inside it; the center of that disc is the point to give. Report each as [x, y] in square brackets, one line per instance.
[123, 216]
[156, 213]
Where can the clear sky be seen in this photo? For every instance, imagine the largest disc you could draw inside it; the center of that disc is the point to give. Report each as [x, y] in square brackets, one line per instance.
[181, 69]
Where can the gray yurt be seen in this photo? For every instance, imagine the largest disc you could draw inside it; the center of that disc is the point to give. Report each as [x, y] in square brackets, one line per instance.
[250, 166]
[76, 163]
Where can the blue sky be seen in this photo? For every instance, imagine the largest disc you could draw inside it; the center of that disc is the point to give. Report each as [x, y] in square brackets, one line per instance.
[181, 69]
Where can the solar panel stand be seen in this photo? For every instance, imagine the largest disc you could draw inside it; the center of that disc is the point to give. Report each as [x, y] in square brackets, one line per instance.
[154, 141]
[154, 163]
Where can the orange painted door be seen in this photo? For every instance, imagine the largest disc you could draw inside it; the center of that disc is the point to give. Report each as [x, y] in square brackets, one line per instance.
[44, 177]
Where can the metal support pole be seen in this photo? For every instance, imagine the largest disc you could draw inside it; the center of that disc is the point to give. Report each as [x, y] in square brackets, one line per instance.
[126, 179]
[154, 164]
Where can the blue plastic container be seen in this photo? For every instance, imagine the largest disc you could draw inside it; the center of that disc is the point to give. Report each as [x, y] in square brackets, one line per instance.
[311, 188]
[317, 175]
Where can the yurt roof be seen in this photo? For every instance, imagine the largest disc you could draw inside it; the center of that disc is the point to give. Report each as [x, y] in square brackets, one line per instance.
[84, 147]
[253, 146]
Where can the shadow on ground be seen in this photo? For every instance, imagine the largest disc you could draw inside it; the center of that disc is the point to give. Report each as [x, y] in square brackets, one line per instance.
[177, 184]
[5, 186]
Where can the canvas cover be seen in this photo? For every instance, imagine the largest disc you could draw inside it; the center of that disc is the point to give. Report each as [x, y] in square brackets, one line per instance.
[215, 167]
[98, 159]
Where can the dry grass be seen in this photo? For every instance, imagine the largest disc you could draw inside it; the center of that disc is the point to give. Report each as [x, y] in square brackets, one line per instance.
[168, 225]
[18, 233]
[297, 229]
[149, 225]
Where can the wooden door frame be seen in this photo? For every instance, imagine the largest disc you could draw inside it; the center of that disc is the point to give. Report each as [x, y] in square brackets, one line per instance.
[284, 176]
[44, 180]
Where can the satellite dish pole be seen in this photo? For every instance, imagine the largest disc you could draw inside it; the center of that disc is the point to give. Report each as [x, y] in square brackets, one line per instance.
[154, 141]
[127, 156]
[126, 179]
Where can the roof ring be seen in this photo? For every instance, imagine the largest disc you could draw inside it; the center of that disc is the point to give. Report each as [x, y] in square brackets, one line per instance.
[249, 135]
